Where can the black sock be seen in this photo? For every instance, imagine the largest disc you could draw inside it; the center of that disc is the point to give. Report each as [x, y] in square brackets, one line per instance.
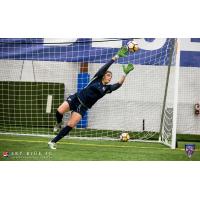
[59, 117]
[62, 133]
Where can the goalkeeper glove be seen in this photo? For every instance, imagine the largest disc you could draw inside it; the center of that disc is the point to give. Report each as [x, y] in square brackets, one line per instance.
[127, 68]
[122, 52]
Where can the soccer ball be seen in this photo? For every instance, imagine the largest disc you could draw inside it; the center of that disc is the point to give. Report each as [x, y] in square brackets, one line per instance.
[132, 46]
[124, 137]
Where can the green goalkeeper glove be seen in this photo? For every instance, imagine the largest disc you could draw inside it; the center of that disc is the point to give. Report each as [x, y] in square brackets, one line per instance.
[127, 68]
[122, 52]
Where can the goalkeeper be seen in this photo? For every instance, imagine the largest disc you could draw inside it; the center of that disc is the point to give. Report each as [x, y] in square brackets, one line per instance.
[81, 101]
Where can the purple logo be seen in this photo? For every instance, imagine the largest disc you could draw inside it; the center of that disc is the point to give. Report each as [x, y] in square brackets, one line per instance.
[189, 149]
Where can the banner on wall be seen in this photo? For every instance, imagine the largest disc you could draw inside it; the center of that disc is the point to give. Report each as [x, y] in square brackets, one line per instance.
[153, 51]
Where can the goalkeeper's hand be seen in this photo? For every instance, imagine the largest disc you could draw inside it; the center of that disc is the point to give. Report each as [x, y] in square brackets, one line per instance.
[122, 52]
[128, 68]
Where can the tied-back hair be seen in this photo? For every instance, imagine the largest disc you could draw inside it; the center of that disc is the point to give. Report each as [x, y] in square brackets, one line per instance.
[108, 72]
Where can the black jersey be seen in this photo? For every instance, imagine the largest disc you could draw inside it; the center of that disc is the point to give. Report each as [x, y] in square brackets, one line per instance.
[95, 89]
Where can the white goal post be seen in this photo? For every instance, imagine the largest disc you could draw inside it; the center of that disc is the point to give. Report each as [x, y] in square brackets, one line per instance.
[168, 125]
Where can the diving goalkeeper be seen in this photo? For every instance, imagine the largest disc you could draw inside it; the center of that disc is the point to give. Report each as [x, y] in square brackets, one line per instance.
[81, 101]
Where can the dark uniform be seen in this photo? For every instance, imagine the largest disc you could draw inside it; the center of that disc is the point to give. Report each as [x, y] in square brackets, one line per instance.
[82, 101]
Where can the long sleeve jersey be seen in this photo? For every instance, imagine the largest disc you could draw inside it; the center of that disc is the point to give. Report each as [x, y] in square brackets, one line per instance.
[95, 89]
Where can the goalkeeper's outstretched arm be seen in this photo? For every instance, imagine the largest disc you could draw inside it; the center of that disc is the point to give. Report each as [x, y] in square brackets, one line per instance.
[118, 84]
[121, 53]
[126, 70]
[122, 79]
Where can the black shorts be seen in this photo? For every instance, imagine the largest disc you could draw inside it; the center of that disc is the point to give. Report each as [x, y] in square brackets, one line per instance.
[75, 105]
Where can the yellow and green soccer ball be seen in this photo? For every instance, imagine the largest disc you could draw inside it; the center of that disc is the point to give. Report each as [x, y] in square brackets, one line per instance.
[124, 137]
[132, 46]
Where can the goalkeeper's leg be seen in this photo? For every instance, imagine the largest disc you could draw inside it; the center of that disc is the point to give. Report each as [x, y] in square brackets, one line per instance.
[74, 119]
[64, 107]
[59, 117]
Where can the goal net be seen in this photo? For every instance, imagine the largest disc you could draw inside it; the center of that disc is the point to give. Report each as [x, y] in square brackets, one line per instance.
[37, 75]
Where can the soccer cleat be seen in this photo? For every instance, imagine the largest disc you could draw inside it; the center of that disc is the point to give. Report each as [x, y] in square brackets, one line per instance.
[52, 145]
